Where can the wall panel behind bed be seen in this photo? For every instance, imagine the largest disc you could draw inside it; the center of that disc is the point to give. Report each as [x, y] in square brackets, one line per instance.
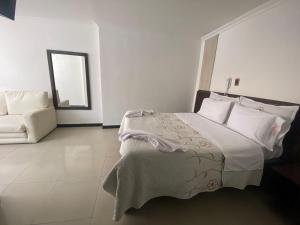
[262, 50]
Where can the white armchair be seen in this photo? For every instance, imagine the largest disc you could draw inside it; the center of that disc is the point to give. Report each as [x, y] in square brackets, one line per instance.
[25, 117]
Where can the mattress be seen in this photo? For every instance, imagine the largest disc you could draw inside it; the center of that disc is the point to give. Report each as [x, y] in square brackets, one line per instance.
[241, 153]
[12, 124]
[226, 138]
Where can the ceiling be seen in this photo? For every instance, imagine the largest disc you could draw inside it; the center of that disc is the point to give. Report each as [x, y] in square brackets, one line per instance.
[192, 18]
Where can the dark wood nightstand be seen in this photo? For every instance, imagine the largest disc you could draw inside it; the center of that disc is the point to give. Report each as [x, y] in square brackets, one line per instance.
[285, 182]
[289, 171]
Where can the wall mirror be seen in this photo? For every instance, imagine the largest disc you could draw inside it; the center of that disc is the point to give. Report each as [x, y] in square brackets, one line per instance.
[69, 75]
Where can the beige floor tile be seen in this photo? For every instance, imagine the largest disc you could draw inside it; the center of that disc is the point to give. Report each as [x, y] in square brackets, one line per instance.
[159, 213]
[228, 206]
[10, 169]
[5, 150]
[8, 146]
[26, 153]
[112, 150]
[16, 162]
[70, 163]
[48, 172]
[2, 188]
[20, 202]
[68, 201]
[58, 182]
[82, 160]
[108, 164]
[104, 207]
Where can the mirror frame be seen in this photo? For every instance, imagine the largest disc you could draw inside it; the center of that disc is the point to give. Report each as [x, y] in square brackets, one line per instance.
[52, 80]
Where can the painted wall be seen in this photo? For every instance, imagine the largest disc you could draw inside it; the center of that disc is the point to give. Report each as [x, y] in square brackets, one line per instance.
[150, 51]
[264, 52]
[146, 71]
[23, 59]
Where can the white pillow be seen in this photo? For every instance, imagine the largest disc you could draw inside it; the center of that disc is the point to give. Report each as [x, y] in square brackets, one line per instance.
[259, 126]
[3, 107]
[215, 110]
[216, 96]
[20, 102]
[286, 112]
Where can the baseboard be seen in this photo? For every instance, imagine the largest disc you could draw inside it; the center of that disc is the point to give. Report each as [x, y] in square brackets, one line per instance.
[110, 126]
[80, 125]
[89, 125]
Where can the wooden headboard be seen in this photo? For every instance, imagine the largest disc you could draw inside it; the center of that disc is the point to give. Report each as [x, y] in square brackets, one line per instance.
[291, 142]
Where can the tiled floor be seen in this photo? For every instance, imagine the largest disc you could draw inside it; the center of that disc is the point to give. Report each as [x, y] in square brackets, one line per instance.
[58, 182]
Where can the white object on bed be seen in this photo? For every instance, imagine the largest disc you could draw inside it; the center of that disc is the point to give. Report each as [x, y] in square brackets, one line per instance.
[159, 143]
[288, 113]
[241, 153]
[216, 96]
[138, 113]
[259, 126]
[215, 110]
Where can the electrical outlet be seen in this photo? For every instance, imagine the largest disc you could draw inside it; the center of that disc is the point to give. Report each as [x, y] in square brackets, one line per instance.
[237, 82]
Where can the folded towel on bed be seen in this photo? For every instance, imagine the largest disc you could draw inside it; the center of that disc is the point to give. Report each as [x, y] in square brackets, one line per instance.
[159, 143]
[139, 113]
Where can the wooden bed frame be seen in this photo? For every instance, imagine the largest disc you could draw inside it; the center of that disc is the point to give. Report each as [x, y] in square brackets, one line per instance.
[291, 142]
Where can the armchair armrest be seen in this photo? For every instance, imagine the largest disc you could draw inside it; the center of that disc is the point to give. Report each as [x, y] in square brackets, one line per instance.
[39, 123]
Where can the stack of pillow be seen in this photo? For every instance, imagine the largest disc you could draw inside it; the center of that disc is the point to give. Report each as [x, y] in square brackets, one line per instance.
[263, 123]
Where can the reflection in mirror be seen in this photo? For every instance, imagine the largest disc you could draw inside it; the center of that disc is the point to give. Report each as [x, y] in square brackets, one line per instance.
[69, 79]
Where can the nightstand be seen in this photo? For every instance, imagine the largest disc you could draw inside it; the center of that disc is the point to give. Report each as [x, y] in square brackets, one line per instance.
[285, 181]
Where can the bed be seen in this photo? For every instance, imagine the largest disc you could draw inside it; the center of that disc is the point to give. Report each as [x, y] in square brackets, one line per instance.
[218, 157]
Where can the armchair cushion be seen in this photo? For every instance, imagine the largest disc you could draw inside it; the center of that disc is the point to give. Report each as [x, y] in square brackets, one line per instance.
[21, 102]
[3, 107]
[13, 135]
[12, 124]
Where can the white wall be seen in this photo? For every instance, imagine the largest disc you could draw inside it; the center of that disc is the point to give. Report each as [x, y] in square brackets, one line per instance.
[264, 52]
[150, 51]
[71, 10]
[146, 71]
[179, 18]
[23, 59]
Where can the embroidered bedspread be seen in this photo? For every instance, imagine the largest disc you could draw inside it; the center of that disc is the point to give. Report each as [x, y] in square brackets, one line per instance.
[144, 173]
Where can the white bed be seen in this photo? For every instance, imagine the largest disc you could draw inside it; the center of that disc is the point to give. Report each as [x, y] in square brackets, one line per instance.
[224, 137]
[244, 158]
[144, 173]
